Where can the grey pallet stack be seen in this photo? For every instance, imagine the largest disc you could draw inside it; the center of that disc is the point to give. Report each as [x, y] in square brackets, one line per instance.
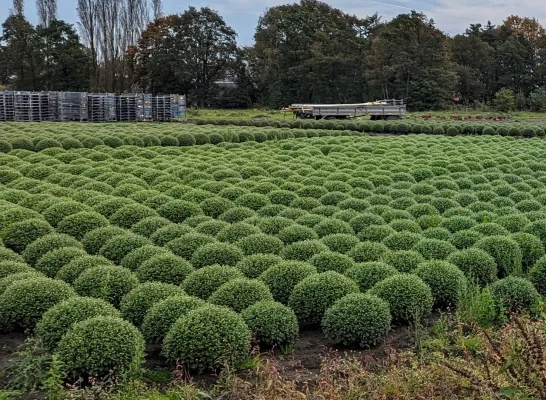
[161, 108]
[31, 106]
[72, 106]
[126, 107]
[7, 106]
[102, 107]
[144, 107]
[178, 107]
[53, 104]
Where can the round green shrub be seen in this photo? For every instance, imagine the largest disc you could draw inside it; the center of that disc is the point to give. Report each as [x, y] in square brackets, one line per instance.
[179, 210]
[148, 226]
[303, 251]
[23, 302]
[531, 249]
[136, 303]
[208, 337]
[19, 235]
[71, 271]
[44, 244]
[234, 232]
[316, 293]
[215, 206]
[106, 282]
[185, 139]
[340, 242]
[375, 233]
[136, 257]
[401, 240]
[79, 224]
[331, 261]
[186, 245]
[240, 293]
[18, 276]
[410, 299]
[358, 319]
[51, 262]
[514, 295]
[537, 276]
[296, 233]
[163, 314]
[282, 277]
[203, 282]
[446, 281]
[433, 249]
[216, 253]
[100, 345]
[366, 275]
[403, 260]
[130, 214]
[169, 232]
[254, 201]
[260, 244]
[46, 144]
[465, 239]
[60, 210]
[505, 251]
[94, 240]
[272, 324]
[253, 265]
[476, 264]
[330, 226]
[10, 255]
[166, 268]
[118, 247]
[13, 267]
[58, 319]
[368, 251]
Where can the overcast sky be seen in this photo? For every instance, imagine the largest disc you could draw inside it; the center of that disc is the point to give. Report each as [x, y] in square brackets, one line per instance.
[451, 16]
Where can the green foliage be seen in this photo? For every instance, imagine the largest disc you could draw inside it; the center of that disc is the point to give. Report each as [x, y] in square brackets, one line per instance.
[100, 345]
[514, 294]
[208, 337]
[52, 262]
[136, 303]
[331, 261]
[186, 245]
[368, 251]
[24, 301]
[107, 282]
[366, 275]
[446, 281]
[477, 265]
[403, 260]
[9, 267]
[95, 239]
[163, 314]
[130, 214]
[537, 276]
[216, 253]
[272, 324]
[166, 268]
[253, 265]
[203, 282]
[118, 247]
[71, 271]
[58, 320]
[531, 249]
[505, 100]
[240, 293]
[410, 299]
[316, 293]
[505, 251]
[260, 244]
[282, 277]
[434, 249]
[46, 243]
[19, 235]
[79, 224]
[179, 210]
[358, 319]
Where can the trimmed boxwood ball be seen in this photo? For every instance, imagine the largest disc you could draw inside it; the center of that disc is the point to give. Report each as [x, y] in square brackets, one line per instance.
[79, 224]
[357, 320]
[215, 206]
[136, 303]
[375, 233]
[465, 239]
[303, 251]
[254, 201]
[514, 294]
[340, 242]
[106, 282]
[401, 240]
[260, 244]
[272, 324]
[166, 268]
[95, 239]
[148, 226]
[410, 299]
[366, 275]
[58, 319]
[331, 261]
[403, 260]
[368, 251]
[100, 345]
[46, 243]
[186, 245]
[446, 281]
[13, 267]
[537, 276]
[240, 293]
[203, 282]
[118, 247]
[531, 249]
[23, 302]
[281, 278]
[19, 235]
[179, 210]
[505, 251]
[434, 249]
[216, 253]
[130, 214]
[163, 314]
[296, 233]
[10, 255]
[316, 293]
[19, 276]
[234, 232]
[60, 210]
[208, 337]
[330, 226]
[169, 232]
[476, 264]
[253, 265]
[51, 262]
[71, 271]
[136, 257]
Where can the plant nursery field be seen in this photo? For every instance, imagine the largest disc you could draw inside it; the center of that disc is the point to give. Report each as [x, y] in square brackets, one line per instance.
[126, 244]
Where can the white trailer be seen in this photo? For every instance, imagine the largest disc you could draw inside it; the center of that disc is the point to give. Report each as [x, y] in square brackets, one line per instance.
[382, 109]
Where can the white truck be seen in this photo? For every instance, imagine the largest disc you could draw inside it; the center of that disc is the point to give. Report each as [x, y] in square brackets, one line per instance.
[377, 110]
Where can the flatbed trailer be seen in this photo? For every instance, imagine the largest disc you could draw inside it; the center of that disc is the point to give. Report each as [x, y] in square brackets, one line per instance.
[383, 109]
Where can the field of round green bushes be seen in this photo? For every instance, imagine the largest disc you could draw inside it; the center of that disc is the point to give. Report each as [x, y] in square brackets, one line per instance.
[213, 239]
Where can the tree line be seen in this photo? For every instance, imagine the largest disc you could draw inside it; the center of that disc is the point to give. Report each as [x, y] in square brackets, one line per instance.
[302, 52]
